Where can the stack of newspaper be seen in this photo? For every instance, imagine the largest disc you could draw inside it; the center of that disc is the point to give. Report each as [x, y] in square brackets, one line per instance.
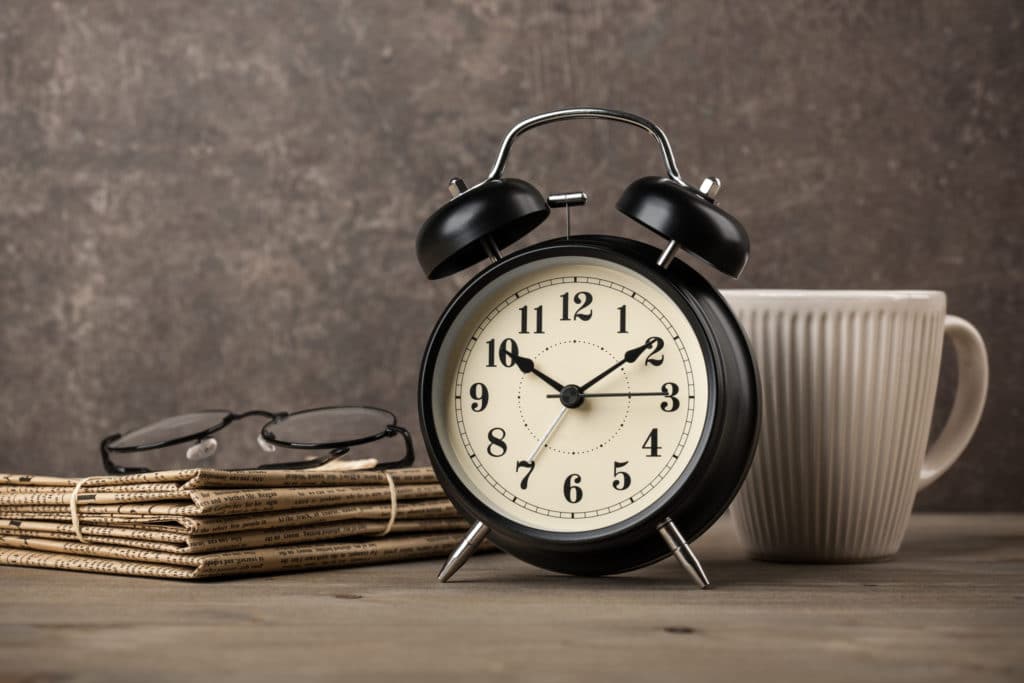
[203, 523]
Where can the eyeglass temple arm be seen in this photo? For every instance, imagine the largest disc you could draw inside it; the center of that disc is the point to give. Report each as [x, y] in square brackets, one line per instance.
[406, 460]
[589, 113]
[109, 465]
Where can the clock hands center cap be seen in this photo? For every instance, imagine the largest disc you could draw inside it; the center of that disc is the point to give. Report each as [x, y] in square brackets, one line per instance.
[571, 396]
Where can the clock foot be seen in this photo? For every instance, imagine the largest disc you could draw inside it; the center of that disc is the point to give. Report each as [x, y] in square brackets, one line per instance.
[463, 552]
[681, 551]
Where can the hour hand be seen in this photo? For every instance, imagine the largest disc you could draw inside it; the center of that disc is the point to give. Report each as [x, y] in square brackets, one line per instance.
[527, 366]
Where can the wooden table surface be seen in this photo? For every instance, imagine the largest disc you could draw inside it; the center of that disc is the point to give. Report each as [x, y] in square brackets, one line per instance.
[949, 607]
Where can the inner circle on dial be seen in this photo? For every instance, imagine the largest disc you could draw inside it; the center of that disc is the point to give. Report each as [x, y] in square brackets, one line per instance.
[608, 416]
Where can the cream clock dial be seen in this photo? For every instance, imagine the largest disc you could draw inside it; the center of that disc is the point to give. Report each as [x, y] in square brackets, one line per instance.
[573, 394]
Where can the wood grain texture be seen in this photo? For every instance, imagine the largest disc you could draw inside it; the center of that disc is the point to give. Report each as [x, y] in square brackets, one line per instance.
[949, 607]
[214, 204]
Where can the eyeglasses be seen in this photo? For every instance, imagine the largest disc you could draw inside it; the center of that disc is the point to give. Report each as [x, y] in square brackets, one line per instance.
[335, 429]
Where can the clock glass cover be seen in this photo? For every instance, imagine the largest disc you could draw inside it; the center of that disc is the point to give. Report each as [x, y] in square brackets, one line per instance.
[512, 369]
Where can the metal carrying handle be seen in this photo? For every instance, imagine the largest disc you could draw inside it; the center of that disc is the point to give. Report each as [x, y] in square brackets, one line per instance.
[588, 113]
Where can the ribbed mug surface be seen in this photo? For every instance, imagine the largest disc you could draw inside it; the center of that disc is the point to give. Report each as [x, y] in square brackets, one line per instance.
[849, 381]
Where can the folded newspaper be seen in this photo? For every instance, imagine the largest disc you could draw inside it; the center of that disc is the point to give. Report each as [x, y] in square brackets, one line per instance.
[204, 523]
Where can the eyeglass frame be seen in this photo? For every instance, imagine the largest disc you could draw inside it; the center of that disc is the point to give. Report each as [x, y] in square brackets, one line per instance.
[336, 448]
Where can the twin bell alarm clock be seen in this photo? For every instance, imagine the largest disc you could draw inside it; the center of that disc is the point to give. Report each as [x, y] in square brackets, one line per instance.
[589, 402]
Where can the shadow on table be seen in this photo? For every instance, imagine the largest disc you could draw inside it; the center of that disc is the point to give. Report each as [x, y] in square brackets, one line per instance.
[935, 545]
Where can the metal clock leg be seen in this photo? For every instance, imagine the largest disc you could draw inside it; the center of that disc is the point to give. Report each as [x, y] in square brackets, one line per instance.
[681, 551]
[463, 552]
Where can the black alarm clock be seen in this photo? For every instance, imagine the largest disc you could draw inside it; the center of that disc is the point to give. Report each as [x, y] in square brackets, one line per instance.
[591, 401]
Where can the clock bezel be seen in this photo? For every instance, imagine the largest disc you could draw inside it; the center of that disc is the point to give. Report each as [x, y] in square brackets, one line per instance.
[632, 542]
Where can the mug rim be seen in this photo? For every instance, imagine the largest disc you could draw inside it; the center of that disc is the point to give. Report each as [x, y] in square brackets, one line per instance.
[841, 294]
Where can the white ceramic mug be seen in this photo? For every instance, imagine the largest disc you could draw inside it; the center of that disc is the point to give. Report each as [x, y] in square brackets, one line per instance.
[849, 381]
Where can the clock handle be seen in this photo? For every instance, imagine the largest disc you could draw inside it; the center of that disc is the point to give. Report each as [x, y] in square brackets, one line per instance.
[680, 549]
[588, 113]
[463, 551]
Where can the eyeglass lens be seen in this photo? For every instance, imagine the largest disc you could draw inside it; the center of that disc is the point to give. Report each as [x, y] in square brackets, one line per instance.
[331, 425]
[171, 428]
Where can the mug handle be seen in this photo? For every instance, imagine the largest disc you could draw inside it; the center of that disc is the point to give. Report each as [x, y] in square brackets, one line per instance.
[972, 385]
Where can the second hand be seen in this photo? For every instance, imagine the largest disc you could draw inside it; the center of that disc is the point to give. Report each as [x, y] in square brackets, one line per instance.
[547, 435]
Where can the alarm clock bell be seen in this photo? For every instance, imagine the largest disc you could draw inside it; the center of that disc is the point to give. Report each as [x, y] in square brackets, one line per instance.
[476, 223]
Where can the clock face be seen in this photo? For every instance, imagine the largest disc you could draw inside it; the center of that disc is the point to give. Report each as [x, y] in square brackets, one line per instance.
[570, 394]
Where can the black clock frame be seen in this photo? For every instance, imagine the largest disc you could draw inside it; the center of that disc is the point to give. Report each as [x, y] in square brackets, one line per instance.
[711, 479]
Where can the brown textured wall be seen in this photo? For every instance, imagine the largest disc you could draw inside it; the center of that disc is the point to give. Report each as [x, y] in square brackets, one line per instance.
[214, 204]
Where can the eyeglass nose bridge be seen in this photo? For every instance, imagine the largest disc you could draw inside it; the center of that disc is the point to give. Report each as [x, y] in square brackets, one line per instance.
[273, 417]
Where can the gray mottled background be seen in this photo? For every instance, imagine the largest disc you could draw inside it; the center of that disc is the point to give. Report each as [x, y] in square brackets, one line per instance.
[214, 204]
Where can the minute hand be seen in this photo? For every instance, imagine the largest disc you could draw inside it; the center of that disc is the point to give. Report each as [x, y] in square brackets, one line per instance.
[627, 394]
[629, 357]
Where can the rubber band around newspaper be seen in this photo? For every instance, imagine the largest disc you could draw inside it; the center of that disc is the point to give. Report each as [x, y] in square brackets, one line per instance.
[75, 525]
[394, 504]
